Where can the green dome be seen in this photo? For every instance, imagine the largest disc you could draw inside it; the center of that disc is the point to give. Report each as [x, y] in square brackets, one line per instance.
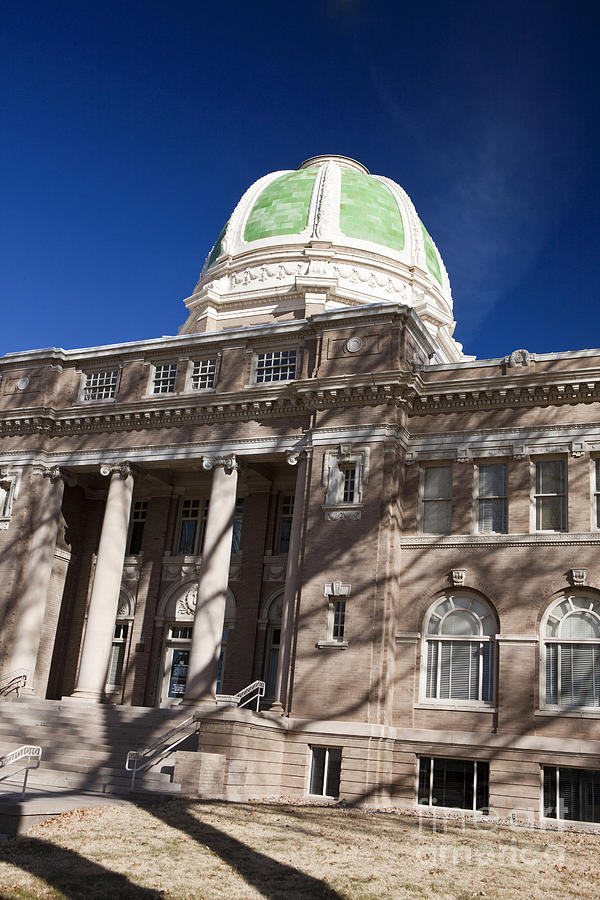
[369, 211]
[282, 207]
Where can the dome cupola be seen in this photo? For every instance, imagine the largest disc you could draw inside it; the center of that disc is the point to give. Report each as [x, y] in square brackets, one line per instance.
[323, 236]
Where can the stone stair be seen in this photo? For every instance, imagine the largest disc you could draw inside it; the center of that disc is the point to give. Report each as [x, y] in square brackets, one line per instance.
[84, 746]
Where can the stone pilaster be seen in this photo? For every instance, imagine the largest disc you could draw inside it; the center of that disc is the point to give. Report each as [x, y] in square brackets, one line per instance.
[214, 578]
[104, 601]
[32, 603]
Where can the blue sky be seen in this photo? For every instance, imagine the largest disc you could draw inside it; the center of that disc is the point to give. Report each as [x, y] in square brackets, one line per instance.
[132, 128]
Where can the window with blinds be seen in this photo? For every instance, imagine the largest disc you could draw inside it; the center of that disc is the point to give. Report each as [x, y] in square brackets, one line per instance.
[459, 650]
[572, 653]
[492, 498]
[437, 499]
[571, 794]
[550, 495]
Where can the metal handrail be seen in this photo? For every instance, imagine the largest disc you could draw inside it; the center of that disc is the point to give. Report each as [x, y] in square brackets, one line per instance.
[13, 681]
[239, 699]
[138, 760]
[27, 751]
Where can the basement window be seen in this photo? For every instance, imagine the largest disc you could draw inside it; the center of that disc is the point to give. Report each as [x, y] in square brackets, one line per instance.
[454, 783]
[571, 794]
[325, 769]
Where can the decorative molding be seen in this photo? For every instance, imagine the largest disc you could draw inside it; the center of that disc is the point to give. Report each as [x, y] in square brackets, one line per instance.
[274, 571]
[547, 539]
[340, 512]
[520, 358]
[578, 577]
[407, 637]
[185, 607]
[458, 577]
[527, 639]
[336, 589]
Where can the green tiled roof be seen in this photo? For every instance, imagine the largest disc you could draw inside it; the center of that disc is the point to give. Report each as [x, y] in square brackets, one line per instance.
[216, 250]
[368, 210]
[431, 257]
[282, 208]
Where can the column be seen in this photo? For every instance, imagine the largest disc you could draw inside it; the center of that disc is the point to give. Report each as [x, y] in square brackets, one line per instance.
[214, 578]
[291, 585]
[104, 601]
[36, 581]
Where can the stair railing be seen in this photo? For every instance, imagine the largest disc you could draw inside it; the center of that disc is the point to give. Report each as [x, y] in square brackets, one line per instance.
[13, 681]
[138, 760]
[256, 690]
[28, 752]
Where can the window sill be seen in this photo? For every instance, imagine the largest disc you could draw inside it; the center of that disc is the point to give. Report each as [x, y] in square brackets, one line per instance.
[332, 645]
[81, 402]
[474, 706]
[557, 712]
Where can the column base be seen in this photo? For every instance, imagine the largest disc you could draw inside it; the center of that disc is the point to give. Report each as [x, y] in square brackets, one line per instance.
[86, 696]
[277, 708]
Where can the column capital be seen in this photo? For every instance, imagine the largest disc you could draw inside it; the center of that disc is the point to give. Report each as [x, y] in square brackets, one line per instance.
[229, 463]
[294, 456]
[124, 469]
[52, 472]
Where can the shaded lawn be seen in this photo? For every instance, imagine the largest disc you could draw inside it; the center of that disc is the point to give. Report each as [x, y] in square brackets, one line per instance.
[188, 849]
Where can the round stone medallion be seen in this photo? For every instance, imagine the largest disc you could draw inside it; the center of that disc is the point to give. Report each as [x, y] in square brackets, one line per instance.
[354, 345]
[23, 383]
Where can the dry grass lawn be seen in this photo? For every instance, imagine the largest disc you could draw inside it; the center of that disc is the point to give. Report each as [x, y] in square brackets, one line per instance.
[185, 849]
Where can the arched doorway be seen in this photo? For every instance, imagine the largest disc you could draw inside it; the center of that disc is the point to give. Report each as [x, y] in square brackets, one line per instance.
[176, 611]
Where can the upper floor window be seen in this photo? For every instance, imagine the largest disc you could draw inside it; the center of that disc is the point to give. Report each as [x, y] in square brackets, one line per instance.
[459, 650]
[100, 385]
[202, 374]
[238, 519]
[286, 514]
[597, 493]
[437, 499]
[550, 495]
[192, 521]
[163, 378]
[492, 499]
[138, 521]
[275, 365]
[572, 652]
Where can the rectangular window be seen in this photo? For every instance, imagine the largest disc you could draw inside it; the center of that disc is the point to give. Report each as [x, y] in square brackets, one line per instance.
[202, 375]
[339, 618]
[285, 522]
[349, 484]
[492, 512]
[100, 385]
[550, 495]
[117, 655]
[238, 518]
[437, 499]
[180, 632]
[597, 492]
[138, 520]
[453, 783]
[163, 381]
[325, 769]
[571, 794]
[191, 527]
[460, 670]
[276, 365]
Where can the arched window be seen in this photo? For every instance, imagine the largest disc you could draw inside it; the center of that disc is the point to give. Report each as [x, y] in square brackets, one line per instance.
[459, 650]
[571, 636]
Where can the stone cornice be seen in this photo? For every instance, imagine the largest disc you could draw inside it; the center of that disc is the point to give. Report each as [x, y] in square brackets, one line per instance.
[527, 389]
[462, 541]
